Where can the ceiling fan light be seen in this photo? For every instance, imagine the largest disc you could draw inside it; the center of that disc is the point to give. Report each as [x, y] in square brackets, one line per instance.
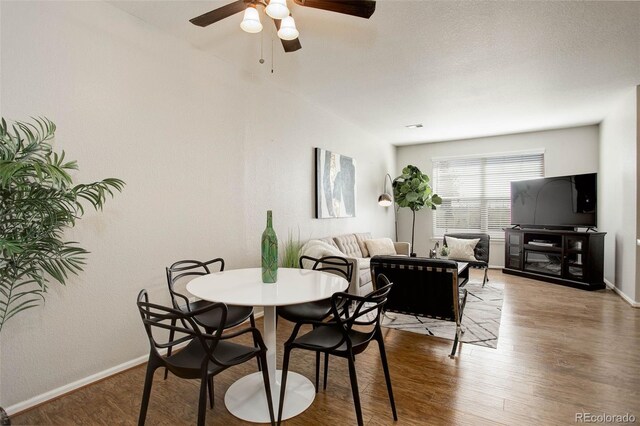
[288, 30]
[277, 9]
[251, 21]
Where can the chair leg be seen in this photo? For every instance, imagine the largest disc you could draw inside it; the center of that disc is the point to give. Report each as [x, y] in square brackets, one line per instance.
[317, 369]
[267, 387]
[459, 329]
[211, 395]
[387, 376]
[326, 369]
[283, 381]
[486, 278]
[455, 342]
[354, 389]
[252, 320]
[171, 335]
[148, 381]
[202, 401]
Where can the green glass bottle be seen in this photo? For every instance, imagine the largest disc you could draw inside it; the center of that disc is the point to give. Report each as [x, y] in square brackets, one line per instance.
[269, 252]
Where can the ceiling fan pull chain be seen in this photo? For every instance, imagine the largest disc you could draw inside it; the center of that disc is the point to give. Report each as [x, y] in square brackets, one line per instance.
[272, 55]
[261, 43]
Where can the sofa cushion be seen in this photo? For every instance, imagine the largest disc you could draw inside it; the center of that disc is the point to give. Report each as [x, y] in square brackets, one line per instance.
[329, 240]
[361, 238]
[380, 247]
[317, 249]
[462, 249]
[348, 244]
[481, 251]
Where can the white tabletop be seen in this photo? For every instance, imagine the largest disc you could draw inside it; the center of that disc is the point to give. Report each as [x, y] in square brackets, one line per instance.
[245, 287]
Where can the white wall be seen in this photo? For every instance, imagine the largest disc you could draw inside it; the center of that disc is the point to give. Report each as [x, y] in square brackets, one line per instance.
[567, 151]
[617, 193]
[201, 169]
[637, 297]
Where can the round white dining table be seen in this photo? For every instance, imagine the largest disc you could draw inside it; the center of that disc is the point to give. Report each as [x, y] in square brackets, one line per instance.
[246, 398]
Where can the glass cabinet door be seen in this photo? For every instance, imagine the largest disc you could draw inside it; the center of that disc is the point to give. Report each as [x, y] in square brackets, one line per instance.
[543, 263]
[574, 243]
[514, 250]
[575, 248]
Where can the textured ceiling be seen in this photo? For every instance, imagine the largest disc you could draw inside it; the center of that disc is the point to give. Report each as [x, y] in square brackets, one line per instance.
[462, 69]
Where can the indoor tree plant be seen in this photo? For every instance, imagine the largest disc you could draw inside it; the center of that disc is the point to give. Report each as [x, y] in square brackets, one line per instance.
[38, 202]
[412, 190]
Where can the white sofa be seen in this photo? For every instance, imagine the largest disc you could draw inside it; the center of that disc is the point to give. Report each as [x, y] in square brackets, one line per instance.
[353, 248]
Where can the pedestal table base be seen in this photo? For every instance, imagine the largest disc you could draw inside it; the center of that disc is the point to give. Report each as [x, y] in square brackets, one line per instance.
[247, 400]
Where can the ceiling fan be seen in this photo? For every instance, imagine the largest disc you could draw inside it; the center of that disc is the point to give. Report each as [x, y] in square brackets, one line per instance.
[278, 10]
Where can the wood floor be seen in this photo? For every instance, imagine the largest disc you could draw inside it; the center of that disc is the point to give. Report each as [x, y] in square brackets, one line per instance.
[561, 351]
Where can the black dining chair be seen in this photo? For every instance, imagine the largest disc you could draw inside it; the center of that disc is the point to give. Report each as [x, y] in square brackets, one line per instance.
[303, 313]
[184, 271]
[340, 338]
[204, 354]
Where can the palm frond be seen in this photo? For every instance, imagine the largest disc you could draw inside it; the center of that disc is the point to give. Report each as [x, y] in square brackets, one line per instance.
[38, 202]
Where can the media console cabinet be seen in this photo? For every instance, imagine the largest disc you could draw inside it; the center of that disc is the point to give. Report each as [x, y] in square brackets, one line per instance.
[569, 258]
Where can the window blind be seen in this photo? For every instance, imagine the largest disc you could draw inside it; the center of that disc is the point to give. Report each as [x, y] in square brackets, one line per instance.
[475, 191]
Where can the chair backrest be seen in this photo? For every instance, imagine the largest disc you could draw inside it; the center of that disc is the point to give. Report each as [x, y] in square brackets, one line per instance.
[334, 264]
[364, 311]
[157, 318]
[422, 286]
[481, 250]
[183, 271]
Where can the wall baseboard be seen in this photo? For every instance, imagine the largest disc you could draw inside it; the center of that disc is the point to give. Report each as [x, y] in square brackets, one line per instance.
[626, 298]
[70, 387]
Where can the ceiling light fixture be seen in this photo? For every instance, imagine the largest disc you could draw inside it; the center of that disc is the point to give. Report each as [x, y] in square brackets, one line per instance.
[251, 20]
[413, 126]
[276, 9]
[288, 30]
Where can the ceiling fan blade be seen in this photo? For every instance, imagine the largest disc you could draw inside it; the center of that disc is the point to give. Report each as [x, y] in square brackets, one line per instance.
[289, 45]
[219, 13]
[360, 8]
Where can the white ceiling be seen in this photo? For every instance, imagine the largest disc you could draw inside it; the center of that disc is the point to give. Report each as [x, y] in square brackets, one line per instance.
[462, 69]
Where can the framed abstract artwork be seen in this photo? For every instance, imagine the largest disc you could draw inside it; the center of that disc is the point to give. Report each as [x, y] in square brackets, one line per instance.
[335, 185]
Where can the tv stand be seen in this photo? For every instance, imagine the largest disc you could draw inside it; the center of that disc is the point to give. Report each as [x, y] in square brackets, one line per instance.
[569, 258]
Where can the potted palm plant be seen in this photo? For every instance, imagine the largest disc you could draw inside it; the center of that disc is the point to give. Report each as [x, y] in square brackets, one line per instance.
[412, 190]
[38, 202]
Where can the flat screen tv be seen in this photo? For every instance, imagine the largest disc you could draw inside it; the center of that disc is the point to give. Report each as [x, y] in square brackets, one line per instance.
[562, 201]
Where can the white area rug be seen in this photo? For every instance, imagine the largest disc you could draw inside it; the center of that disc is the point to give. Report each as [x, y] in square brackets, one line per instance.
[481, 318]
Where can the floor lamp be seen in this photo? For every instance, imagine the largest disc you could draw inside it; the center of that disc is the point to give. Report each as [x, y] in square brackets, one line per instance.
[386, 199]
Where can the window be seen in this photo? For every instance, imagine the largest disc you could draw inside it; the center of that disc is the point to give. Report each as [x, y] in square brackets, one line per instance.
[475, 191]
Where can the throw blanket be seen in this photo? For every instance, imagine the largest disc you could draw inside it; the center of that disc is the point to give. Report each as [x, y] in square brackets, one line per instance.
[318, 249]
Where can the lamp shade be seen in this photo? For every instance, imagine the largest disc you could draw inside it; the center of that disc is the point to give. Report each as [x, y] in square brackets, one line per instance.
[277, 9]
[288, 30]
[385, 200]
[251, 21]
